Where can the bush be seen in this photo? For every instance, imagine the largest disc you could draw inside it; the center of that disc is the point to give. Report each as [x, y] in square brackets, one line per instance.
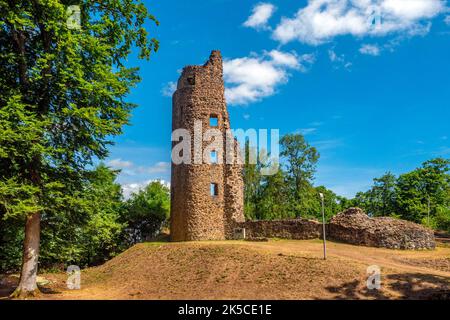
[443, 218]
[146, 212]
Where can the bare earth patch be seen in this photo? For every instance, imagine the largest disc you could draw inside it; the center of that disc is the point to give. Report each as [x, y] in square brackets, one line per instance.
[278, 269]
[442, 264]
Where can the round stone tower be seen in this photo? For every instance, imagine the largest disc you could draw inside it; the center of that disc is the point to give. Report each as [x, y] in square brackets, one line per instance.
[206, 197]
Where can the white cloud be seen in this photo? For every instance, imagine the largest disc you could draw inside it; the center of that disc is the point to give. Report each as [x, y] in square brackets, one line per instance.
[333, 56]
[412, 9]
[284, 59]
[129, 188]
[338, 60]
[159, 167]
[322, 20]
[252, 78]
[370, 49]
[130, 169]
[119, 164]
[261, 13]
[168, 89]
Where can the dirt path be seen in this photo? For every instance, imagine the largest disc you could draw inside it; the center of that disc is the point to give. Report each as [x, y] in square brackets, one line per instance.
[400, 260]
[278, 269]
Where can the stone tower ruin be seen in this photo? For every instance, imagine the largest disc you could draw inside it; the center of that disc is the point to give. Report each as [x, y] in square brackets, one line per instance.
[206, 198]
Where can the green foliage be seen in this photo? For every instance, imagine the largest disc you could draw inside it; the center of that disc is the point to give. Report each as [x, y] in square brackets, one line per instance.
[19, 144]
[99, 226]
[252, 179]
[381, 199]
[11, 239]
[300, 167]
[289, 193]
[421, 196]
[273, 199]
[333, 203]
[442, 217]
[146, 212]
[90, 233]
[104, 200]
[87, 233]
[62, 98]
[429, 222]
[426, 188]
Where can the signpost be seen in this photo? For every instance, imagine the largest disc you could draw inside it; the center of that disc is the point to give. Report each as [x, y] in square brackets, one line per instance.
[323, 227]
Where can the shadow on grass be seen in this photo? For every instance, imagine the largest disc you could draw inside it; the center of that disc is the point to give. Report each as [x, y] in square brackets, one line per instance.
[352, 291]
[409, 286]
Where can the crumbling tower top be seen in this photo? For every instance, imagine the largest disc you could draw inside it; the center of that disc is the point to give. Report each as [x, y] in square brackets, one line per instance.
[195, 75]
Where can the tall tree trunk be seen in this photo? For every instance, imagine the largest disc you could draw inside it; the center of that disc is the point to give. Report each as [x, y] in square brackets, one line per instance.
[27, 285]
[28, 276]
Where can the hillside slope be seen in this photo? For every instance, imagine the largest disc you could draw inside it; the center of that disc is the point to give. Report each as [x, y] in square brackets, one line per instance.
[265, 270]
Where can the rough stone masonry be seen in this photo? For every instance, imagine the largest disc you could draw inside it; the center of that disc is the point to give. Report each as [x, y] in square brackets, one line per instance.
[356, 227]
[206, 198]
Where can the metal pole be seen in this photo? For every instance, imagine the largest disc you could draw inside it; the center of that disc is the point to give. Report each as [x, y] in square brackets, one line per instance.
[323, 228]
[429, 209]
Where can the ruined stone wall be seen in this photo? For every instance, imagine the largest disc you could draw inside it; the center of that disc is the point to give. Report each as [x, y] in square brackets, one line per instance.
[355, 227]
[195, 214]
[298, 229]
[351, 226]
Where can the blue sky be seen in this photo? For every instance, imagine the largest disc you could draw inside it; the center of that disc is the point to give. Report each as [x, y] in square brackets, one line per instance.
[366, 81]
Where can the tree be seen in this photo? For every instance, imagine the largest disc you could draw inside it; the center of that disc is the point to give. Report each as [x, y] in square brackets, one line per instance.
[11, 238]
[381, 199]
[300, 166]
[383, 195]
[62, 97]
[422, 195]
[361, 200]
[89, 232]
[146, 212]
[289, 192]
[252, 183]
[333, 203]
[273, 200]
[426, 188]
[100, 234]
[86, 234]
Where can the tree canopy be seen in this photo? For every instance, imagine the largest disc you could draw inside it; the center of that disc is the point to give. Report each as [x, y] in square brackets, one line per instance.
[290, 192]
[62, 97]
[146, 212]
[421, 196]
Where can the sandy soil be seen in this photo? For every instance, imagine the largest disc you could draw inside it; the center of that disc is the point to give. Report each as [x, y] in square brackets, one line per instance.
[278, 269]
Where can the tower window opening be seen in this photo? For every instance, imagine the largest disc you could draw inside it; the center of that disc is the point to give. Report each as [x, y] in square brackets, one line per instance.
[213, 121]
[214, 189]
[213, 157]
[191, 81]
